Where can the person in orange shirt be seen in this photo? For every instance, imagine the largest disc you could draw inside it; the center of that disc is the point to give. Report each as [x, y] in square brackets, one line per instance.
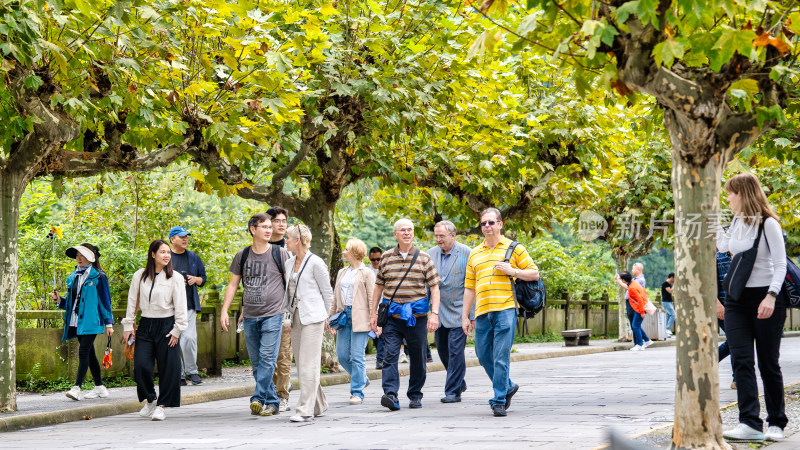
[637, 298]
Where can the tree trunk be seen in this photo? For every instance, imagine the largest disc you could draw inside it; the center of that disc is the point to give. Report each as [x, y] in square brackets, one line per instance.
[318, 214]
[696, 190]
[625, 332]
[12, 186]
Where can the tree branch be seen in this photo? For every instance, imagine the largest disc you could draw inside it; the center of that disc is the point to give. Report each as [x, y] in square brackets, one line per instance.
[50, 131]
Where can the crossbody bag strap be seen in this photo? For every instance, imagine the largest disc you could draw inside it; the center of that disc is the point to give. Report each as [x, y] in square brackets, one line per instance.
[297, 281]
[507, 259]
[413, 260]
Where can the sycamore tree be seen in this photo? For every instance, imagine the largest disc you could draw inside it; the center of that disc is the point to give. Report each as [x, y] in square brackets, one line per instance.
[368, 81]
[496, 142]
[108, 86]
[722, 72]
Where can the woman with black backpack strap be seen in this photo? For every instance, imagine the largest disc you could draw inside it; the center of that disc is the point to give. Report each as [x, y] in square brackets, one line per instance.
[755, 310]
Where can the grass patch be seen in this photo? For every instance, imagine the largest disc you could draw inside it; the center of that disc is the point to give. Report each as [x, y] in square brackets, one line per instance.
[35, 383]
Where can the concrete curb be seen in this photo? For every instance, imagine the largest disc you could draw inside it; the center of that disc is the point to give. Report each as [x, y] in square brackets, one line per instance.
[25, 421]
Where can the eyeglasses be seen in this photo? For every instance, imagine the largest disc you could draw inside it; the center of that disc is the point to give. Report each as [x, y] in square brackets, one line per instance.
[490, 223]
[279, 221]
[374, 259]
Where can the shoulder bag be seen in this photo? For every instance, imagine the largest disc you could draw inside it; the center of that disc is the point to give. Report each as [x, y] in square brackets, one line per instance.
[740, 269]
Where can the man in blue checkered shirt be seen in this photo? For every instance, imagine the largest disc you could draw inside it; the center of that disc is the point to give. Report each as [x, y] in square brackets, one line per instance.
[723, 263]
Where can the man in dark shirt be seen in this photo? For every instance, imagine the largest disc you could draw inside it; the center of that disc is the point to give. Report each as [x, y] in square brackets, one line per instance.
[667, 303]
[188, 264]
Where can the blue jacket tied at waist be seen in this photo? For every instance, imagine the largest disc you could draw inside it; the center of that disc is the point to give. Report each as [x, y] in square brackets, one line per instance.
[406, 311]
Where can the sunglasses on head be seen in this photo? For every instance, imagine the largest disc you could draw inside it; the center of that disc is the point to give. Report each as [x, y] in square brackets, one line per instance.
[490, 223]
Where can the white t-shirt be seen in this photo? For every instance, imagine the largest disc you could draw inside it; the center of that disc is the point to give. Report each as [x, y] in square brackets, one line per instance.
[770, 266]
[347, 285]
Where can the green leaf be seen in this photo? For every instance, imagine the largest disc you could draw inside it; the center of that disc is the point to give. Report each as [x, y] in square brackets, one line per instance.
[626, 10]
[665, 53]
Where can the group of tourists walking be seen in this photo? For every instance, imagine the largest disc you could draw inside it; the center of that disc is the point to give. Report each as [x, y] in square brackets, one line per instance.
[405, 293]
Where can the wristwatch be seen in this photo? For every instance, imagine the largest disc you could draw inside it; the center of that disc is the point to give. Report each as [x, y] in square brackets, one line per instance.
[516, 272]
[773, 293]
[434, 311]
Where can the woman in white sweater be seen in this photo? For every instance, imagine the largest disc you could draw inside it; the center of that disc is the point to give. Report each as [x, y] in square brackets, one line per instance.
[308, 299]
[162, 300]
[758, 315]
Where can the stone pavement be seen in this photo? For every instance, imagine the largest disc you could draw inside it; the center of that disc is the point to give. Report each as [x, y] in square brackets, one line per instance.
[564, 402]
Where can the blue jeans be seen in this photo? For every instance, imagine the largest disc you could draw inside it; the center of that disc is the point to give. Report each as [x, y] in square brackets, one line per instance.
[350, 348]
[670, 308]
[263, 338]
[639, 335]
[450, 343]
[494, 336]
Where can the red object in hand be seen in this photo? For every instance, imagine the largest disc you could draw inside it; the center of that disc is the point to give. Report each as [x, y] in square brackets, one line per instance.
[107, 358]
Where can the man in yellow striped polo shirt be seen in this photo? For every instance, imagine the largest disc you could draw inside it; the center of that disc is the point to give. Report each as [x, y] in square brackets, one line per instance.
[488, 281]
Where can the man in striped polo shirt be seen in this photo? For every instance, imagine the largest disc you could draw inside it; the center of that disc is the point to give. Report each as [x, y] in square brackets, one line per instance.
[408, 313]
[450, 259]
[488, 282]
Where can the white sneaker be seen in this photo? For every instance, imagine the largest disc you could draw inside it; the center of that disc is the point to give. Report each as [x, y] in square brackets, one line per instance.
[158, 413]
[147, 410]
[284, 405]
[299, 418]
[647, 344]
[743, 432]
[637, 348]
[75, 393]
[98, 391]
[403, 358]
[774, 433]
[356, 400]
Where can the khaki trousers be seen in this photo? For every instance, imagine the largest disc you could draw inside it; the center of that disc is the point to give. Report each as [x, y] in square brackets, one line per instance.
[283, 368]
[307, 345]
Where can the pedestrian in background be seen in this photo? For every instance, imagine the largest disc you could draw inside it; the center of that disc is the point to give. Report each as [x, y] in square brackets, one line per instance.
[190, 266]
[87, 313]
[667, 302]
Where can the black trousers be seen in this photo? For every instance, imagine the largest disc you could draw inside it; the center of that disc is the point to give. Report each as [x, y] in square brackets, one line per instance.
[743, 328]
[417, 341]
[87, 360]
[152, 346]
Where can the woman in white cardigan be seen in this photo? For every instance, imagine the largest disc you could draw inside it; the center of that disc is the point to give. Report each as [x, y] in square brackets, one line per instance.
[308, 299]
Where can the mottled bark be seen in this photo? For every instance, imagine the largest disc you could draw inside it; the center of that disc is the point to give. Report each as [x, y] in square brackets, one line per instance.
[697, 418]
[11, 189]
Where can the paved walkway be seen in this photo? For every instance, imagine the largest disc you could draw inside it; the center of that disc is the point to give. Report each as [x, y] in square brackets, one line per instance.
[567, 402]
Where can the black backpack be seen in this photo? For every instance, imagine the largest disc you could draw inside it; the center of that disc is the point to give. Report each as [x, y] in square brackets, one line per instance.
[276, 256]
[530, 296]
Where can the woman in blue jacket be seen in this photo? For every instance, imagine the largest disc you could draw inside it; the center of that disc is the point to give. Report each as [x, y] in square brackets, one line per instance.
[88, 313]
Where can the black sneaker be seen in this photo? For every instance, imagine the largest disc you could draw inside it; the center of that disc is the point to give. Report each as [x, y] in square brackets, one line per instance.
[195, 378]
[183, 382]
[379, 364]
[498, 410]
[510, 395]
[415, 403]
[390, 401]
